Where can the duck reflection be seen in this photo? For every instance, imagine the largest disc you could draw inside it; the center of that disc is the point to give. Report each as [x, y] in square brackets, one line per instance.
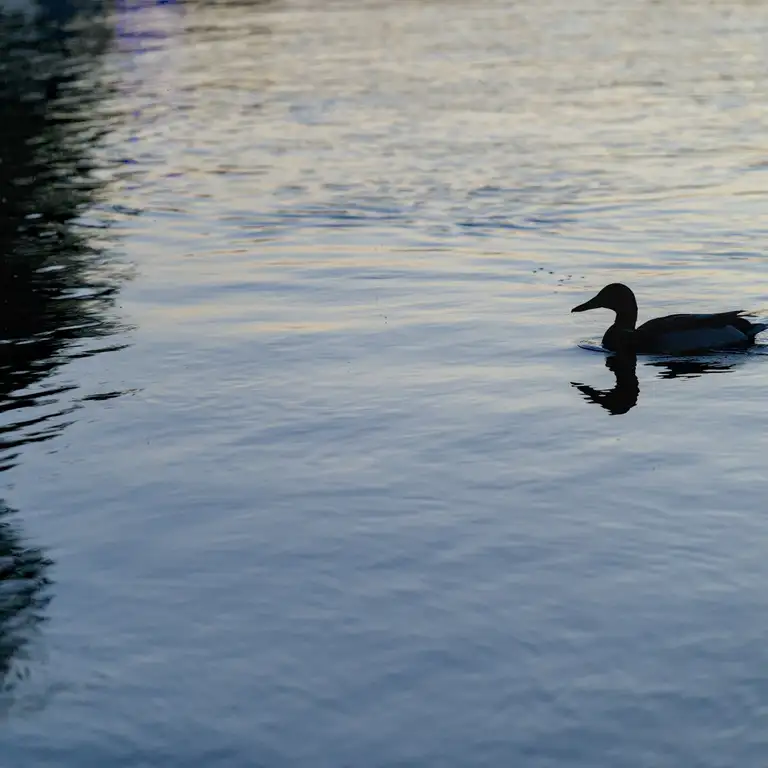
[623, 396]
[57, 288]
[689, 369]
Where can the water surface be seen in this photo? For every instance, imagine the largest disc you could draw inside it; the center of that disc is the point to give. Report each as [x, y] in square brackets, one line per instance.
[304, 463]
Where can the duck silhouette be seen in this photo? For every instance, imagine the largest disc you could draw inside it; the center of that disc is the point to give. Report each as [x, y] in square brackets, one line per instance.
[672, 334]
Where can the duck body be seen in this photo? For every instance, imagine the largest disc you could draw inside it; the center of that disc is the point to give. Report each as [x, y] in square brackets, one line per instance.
[673, 334]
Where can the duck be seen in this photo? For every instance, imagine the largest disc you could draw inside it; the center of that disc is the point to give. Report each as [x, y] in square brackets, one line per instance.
[673, 334]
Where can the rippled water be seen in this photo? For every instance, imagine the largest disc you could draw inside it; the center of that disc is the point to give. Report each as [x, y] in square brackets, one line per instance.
[303, 463]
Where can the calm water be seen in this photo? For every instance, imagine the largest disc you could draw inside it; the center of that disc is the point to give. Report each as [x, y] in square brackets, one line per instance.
[303, 464]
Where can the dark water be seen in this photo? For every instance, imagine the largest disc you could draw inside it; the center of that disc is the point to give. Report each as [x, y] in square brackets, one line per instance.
[303, 463]
[58, 283]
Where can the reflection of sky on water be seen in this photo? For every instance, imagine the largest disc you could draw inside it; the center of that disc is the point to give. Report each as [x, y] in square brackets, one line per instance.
[140, 24]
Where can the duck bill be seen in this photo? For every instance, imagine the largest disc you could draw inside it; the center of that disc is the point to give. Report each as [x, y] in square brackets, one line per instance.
[591, 304]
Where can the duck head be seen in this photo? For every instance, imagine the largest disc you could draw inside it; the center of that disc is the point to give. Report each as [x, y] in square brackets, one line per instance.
[620, 299]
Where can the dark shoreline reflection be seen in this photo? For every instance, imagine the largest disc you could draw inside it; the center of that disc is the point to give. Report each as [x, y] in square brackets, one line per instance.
[23, 580]
[57, 286]
[623, 396]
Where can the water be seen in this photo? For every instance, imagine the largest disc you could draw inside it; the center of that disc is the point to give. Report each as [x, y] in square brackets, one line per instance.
[303, 462]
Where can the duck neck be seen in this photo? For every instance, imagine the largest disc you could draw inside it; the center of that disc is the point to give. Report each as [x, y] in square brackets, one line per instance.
[626, 318]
